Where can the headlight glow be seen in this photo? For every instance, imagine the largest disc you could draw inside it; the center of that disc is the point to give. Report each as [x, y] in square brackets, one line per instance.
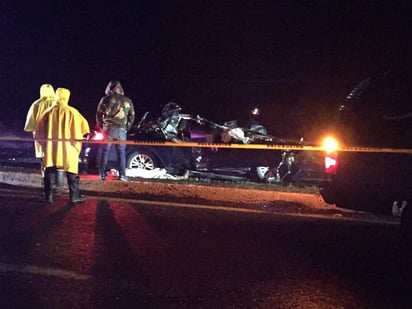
[98, 136]
[330, 144]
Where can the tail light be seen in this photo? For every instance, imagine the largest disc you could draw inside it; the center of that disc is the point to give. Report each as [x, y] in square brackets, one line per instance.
[98, 136]
[330, 145]
[331, 163]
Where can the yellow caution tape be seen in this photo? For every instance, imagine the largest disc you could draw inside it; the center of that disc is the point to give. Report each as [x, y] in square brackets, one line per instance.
[224, 145]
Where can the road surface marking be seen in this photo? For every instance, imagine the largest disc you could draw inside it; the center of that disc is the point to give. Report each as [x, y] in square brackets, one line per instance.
[43, 271]
[336, 217]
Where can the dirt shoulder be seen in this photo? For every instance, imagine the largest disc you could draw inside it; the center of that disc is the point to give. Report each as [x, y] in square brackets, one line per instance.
[266, 197]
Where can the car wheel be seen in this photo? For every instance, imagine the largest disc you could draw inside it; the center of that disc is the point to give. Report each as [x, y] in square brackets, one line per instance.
[143, 160]
[263, 172]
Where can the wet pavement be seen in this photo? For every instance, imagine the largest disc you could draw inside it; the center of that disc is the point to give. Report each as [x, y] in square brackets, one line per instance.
[114, 252]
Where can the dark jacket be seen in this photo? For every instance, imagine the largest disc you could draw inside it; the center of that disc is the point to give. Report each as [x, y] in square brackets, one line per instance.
[115, 109]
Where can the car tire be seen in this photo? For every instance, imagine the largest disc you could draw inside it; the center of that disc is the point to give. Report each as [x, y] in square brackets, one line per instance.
[262, 172]
[141, 159]
[266, 174]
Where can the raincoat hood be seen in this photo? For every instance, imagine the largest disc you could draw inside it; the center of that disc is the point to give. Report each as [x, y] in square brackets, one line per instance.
[62, 96]
[35, 112]
[46, 91]
[114, 87]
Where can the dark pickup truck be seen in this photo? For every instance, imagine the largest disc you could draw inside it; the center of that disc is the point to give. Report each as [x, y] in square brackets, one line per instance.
[377, 113]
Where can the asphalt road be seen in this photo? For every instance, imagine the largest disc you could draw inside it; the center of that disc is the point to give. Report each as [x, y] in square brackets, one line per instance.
[118, 253]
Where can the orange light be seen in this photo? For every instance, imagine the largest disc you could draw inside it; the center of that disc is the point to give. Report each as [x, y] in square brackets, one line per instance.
[330, 144]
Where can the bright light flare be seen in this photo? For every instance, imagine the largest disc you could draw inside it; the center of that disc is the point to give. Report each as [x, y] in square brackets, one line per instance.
[330, 144]
[330, 162]
[331, 165]
[98, 136]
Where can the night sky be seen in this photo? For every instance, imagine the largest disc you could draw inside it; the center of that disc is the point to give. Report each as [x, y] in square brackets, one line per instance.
[209, 56]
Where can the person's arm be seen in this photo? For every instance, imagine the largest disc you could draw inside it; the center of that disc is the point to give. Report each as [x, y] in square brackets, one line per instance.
[99, 114]
[130, 116]
[31, 120]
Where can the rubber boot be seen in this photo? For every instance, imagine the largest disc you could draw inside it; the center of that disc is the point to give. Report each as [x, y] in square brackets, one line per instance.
[60, 182]
[48, 184]
[74, 188]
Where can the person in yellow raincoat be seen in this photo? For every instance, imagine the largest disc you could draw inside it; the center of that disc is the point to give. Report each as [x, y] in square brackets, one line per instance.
[36, 110]
[60, 131]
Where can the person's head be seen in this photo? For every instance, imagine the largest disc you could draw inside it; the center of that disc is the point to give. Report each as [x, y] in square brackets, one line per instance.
[47, 91]
[114, 87]
[62, 96]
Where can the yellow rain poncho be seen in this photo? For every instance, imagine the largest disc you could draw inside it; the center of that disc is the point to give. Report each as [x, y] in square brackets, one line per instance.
[36, 110]
[65, 128]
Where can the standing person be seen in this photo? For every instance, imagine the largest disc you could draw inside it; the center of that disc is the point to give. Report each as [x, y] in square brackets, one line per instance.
[64, 128]
[115, 116]
[36, 110]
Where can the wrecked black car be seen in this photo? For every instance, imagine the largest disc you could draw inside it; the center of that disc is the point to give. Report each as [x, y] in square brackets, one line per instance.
[281, 166]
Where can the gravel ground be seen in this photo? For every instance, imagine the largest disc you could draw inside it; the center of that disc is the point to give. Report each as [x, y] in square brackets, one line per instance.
[271, 198]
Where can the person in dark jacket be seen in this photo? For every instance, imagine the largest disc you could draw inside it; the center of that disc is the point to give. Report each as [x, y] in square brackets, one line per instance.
[114, 116]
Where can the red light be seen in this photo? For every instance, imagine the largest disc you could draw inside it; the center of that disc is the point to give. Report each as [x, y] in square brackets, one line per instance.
[331, 164]
[98, 136]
